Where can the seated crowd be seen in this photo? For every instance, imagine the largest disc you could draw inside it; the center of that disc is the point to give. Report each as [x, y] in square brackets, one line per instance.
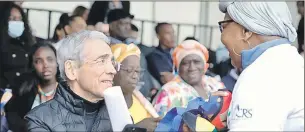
[58, 84]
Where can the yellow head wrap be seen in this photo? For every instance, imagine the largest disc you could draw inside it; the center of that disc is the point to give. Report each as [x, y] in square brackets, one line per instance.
[122, 51]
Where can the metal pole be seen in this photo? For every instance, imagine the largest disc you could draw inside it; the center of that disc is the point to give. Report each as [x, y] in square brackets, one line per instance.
[49, 24]
[27, 13]
[178, 33]
[195, 29]
[142, 31]
[211, 37]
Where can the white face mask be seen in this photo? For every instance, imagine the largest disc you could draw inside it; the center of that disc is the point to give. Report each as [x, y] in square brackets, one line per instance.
[15, 28]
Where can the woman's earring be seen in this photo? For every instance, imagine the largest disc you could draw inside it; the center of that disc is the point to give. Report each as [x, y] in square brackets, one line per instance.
[235, 52]
[248, 44]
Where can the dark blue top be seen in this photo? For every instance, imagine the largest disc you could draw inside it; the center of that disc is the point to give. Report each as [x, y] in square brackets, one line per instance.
[249, 56]
[159, 61]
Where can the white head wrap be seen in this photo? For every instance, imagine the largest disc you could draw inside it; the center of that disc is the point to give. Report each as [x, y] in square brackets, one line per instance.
[264, 18]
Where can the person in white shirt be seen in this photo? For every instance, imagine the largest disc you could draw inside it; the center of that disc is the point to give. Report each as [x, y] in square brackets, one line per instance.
[267, 96]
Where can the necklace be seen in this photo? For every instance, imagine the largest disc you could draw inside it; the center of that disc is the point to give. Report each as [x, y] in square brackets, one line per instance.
[46, 96]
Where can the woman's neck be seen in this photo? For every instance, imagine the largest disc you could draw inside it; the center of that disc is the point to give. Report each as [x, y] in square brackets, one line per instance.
[47, 86]
[200, 88]
[259, 39]
[128, 99]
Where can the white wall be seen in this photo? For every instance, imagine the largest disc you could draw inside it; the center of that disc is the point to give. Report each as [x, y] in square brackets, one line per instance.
[39, 19]
[206, 13]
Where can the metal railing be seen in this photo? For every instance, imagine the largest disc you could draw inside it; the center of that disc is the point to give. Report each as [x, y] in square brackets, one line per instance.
[142, 22]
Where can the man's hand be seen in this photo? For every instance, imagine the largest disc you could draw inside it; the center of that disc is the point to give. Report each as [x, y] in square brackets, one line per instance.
[149, 123]
[166, 77]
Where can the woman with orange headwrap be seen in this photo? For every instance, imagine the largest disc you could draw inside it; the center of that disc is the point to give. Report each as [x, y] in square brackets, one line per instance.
[142, 112]
[190, 58]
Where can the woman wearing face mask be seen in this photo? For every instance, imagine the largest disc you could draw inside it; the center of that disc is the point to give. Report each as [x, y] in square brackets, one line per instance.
[269, 93]
[15, 41]
[190, 58]
[38, 88]
[142, 112]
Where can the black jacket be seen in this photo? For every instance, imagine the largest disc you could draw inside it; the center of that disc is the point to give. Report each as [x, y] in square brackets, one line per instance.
[99, 9]
[13, 63]
[65, 112]
[18, 107]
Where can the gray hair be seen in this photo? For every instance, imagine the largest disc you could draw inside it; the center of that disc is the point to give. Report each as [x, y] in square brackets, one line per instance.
[70, 48]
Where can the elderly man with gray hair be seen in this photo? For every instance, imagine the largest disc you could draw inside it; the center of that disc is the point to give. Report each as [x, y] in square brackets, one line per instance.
[87, 67]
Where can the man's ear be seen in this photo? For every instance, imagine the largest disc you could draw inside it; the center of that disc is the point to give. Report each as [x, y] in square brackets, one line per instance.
[70, 70]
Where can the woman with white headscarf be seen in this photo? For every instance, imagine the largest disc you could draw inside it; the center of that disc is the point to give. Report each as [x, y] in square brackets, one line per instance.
[269, 93]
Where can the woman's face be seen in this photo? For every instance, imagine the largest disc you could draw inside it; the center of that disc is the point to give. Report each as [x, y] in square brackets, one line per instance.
[15, 15]
[129, 74]
[44, 62]
[191, 69]
[78, 24]
[232, 37]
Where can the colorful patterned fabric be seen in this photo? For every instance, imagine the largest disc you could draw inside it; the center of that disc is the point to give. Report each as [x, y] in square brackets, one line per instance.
[42, 97]
[7, 95]
[188, 47]
[121, 51]
[195, 116]
[4, 99]
[178, 93]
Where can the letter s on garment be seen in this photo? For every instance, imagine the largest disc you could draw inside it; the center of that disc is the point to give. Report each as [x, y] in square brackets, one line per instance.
[243, 112]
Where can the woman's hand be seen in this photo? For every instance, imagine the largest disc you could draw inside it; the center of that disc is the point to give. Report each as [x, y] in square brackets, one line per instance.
[220, 93]
[223, 116]
[149, 123]
[185, 128]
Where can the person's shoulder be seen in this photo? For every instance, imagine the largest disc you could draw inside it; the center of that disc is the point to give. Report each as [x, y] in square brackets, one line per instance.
[45, 111]
[146, 50]
[214, 83]
[171, 85]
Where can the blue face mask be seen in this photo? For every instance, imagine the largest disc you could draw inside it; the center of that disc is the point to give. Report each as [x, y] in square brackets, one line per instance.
[15, 28]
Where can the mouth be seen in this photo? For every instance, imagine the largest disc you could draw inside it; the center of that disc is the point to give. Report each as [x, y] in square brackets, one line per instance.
[193, 73]
[46, 73]
[108, 83]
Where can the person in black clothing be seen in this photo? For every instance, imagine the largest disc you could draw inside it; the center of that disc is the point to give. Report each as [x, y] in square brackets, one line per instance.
[100, 9]
[119, 26]
[87, 68]
[15, 42]
[160, 63]
[39, 86]
[300, 31]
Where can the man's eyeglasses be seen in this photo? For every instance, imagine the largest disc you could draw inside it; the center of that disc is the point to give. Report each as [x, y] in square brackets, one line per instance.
[222, 22]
